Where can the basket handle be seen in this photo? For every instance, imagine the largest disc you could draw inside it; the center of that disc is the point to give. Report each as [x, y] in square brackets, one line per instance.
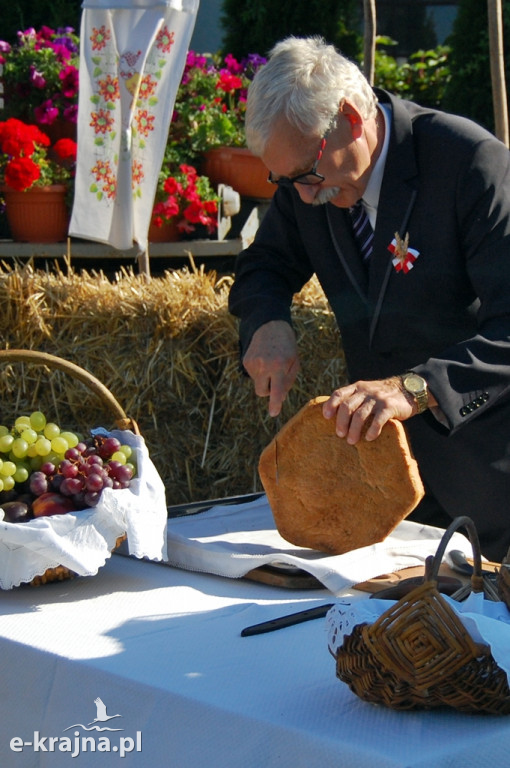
[432, 563]
[52, 361]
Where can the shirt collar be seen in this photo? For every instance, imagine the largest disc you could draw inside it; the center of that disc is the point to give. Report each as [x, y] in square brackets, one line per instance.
[371, 196]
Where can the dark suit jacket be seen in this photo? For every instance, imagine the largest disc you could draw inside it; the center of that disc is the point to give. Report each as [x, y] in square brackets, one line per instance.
[447, 183]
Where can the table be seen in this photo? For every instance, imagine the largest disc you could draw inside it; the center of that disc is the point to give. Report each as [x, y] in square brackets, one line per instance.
[160, 648]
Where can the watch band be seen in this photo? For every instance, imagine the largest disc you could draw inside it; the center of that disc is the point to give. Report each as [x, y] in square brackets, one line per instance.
[416, 386]
[422, 401]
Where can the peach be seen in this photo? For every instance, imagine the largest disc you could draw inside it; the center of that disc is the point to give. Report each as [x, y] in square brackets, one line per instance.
[51, 504]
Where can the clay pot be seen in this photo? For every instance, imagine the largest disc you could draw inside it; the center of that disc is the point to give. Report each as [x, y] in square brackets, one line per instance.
[166, 233]
[38, 214]
[238, 168]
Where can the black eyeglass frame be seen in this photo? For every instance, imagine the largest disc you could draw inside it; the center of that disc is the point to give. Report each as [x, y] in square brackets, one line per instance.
[300, 178]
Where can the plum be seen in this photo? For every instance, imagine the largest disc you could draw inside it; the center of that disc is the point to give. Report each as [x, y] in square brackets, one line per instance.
[16, 511]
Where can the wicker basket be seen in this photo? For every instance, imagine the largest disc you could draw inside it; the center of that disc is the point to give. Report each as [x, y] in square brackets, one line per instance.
[418, 655]
[122, 421]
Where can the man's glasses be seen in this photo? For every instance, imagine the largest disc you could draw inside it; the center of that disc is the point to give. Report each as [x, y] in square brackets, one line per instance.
[310, 177]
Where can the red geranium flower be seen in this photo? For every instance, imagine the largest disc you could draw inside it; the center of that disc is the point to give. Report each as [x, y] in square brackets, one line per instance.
[65, 150]
[25, 157]
[21, 173]
[228, 82]
[172, 186]
[188, 198]
[18, 139]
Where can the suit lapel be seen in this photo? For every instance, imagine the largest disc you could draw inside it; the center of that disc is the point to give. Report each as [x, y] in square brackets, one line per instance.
[390, 219]
[396, 202]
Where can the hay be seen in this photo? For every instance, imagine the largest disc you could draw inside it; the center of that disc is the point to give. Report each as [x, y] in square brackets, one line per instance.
[167, 350]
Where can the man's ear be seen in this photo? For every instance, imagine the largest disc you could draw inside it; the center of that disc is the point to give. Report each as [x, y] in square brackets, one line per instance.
[353, 116]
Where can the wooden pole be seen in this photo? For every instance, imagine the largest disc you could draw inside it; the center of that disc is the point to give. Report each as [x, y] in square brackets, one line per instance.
[144, 264]
[497, 63]
[369, 15]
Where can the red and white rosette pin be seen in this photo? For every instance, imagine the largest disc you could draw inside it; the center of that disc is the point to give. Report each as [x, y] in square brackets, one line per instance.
[404, 257]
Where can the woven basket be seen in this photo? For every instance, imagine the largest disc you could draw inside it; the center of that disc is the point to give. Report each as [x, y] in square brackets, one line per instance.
[122, 421]
[418, 654]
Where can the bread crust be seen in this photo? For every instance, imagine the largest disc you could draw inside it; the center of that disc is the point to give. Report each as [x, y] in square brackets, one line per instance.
[334, 497]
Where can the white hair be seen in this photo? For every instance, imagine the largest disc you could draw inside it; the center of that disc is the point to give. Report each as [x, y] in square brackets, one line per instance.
[304, 81]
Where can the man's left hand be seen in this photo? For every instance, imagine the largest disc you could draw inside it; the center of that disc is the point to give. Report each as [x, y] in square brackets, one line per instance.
[370, 403]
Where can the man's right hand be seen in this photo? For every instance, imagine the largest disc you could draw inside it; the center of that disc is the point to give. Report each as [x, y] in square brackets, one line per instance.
[272, 362]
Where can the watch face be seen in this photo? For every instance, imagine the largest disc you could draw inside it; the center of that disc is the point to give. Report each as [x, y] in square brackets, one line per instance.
[414, 383]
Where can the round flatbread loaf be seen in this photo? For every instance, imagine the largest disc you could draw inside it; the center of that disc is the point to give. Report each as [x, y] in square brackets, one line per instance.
[334, 497]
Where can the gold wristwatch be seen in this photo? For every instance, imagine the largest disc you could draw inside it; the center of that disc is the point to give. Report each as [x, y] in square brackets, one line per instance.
[417, 388]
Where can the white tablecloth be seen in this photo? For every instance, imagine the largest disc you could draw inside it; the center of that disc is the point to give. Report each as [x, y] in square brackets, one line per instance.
[161, 649]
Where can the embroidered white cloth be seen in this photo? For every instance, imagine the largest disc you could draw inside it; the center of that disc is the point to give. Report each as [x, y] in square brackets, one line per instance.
[231, 540]
[487, 622]
[132, 55]
[82, 541]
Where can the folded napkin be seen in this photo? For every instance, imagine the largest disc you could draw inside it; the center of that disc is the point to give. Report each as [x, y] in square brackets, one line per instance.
[82, 541]
[231, 540]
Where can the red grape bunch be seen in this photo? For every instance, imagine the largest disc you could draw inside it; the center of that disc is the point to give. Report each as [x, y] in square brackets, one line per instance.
[97, 463]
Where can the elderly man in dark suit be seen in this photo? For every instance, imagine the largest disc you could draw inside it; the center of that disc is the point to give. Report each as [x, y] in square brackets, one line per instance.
[403, 213]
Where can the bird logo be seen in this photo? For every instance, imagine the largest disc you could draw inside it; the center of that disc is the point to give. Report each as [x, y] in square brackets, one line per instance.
[101, 714]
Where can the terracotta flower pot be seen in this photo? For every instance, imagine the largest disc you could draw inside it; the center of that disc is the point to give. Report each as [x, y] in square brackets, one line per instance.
[37, 215]
[238, 168]
[166, 233]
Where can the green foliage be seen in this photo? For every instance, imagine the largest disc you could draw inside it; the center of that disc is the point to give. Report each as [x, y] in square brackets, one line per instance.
[422, 78]
[256, 26]
[211, 103]
[469, 90]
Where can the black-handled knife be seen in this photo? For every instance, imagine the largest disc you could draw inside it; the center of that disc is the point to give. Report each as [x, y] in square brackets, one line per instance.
[287, 621]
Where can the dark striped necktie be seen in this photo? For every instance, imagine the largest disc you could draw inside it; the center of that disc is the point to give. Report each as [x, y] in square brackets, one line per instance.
[362, 230]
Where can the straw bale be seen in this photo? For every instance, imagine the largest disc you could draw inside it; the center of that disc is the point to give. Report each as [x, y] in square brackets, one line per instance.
[167, 349]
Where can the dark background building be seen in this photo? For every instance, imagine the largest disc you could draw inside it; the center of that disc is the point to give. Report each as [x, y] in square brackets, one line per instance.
[414, 24]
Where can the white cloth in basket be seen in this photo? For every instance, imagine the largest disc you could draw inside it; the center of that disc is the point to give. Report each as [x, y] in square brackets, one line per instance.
[82, 541]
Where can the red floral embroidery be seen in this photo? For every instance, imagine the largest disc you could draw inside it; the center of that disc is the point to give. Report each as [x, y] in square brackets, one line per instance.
[165, 39]
[109, 88]
[144, 122]
[100, 37]
[137, 174]
[101, 169]
[101, 121]
[147, 87]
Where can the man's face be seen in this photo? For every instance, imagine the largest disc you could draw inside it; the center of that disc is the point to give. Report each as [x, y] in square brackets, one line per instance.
[345, 162]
